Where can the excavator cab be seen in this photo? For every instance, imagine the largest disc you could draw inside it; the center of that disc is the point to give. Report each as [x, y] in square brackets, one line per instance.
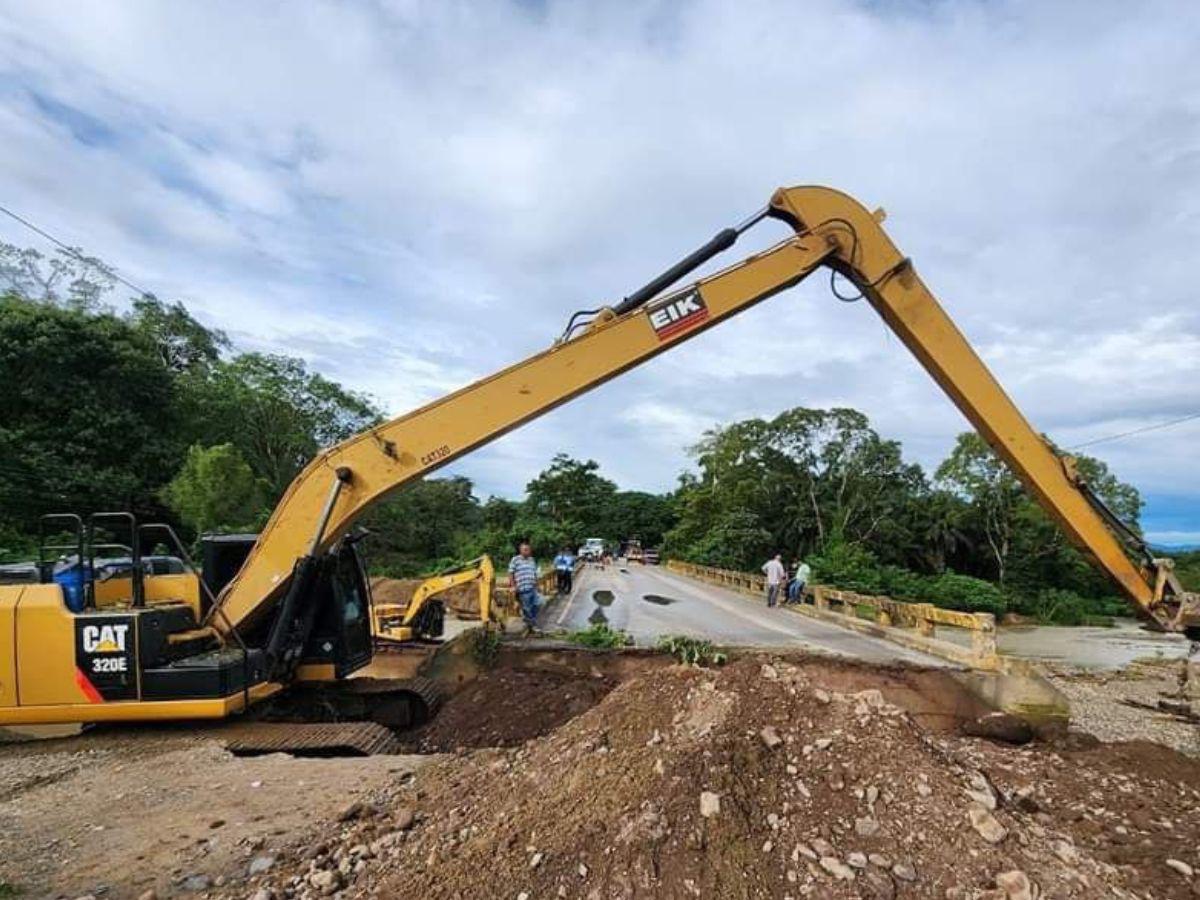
[108, 633]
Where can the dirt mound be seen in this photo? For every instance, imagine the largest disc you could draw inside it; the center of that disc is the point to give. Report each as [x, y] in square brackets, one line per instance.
[508, 708]
[770, 778]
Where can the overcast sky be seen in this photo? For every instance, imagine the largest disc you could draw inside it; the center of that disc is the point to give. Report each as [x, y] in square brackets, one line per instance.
[411, 195]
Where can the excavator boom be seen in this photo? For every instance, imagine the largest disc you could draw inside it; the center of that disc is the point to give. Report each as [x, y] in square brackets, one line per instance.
[831, 230]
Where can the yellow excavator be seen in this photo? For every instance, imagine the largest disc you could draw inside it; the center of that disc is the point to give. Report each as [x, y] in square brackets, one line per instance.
[423, 616]
[292, 606]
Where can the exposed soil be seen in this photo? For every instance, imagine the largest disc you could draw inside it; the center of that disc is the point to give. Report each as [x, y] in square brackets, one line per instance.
[776, 778]
[622, 776]
[506, 708]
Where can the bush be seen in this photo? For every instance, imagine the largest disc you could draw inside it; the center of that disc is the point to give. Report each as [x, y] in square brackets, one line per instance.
[1055, 606]
[600, 636]
[962, 592]
[483, 644]
[691, 651]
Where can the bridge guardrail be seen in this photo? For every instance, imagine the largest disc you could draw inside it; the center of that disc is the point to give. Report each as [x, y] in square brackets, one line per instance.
[911, 624]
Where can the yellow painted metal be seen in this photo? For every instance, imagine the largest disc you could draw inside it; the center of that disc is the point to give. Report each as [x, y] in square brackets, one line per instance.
[45, 650]
[10, 596]
[897, 293]
[316, 672]
[181, 588]
[413, 445]
[393, 622]
[137, 710]
[831, 229]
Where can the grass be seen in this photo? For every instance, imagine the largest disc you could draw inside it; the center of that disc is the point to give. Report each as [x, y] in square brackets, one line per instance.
[600, 636]
[8, 890]
[484, 646]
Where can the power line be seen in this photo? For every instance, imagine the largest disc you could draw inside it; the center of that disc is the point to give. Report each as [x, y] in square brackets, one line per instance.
[71, 251]
[1142, 430]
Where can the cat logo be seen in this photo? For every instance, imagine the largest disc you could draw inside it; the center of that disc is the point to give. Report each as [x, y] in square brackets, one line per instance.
[677, 314]
[104, 638]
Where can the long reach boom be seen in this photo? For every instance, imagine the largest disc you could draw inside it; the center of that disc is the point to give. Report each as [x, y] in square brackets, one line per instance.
[831, 230]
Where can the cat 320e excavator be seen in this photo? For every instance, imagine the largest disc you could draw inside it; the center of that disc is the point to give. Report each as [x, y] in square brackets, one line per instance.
[291, 606]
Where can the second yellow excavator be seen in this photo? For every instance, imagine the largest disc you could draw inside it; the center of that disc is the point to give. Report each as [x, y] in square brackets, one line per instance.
[292, 604]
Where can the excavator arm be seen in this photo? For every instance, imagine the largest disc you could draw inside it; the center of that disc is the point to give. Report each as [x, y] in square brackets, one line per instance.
[830, 230]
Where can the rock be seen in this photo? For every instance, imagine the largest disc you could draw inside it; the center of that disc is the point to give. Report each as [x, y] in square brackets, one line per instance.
[1181, 867]
[872, 795]
[806, 851]
[263, 894]
[1065, 852]
[822, 743]
[866, 826]
[151, 894]
[404, 819]
[327, 881]
[858, 860]
[878, 859]
[986, 824]
[770, 737]
[536, 859]
[981, 792]
[823, 847]
[195, 883]
[923, 789]
[216, 823]
[769, 672]
[904, 871]
[350, 812]
[1015, 885]
[710, 804]
[655, 738]
[822, 695]
[260, 864]
[876, 886]
[1000, 726]
[837, 868]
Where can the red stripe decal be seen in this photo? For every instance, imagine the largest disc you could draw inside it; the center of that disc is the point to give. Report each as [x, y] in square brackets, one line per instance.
[683, 324]
[85, 685]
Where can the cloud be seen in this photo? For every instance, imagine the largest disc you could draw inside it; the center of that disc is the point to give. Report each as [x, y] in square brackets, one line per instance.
[412, 195]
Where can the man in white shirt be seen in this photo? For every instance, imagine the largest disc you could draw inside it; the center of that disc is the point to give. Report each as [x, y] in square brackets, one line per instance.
[776, 575]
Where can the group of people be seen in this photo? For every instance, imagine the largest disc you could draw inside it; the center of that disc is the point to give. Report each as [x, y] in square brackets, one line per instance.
[523, 579]
[779, 580]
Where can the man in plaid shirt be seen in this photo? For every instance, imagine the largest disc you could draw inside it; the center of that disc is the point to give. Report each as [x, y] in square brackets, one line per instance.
[522, 578]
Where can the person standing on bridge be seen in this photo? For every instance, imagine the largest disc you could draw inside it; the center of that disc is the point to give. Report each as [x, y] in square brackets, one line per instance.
[776, 576]
[522, 578]
[795, 592]
[564, 566]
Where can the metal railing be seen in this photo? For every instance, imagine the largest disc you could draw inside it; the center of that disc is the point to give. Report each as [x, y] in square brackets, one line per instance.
[919, 619]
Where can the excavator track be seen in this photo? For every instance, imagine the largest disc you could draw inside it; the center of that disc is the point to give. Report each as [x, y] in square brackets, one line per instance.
[319, 739]
[393, 703]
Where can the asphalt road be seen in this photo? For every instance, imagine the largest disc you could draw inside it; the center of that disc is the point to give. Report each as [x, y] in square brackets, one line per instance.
[650, 602]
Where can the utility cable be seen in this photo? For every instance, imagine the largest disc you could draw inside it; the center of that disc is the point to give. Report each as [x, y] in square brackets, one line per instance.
[1142, 430]
[74, 253]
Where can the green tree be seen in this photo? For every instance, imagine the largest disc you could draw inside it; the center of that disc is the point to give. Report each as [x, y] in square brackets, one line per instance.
[276, 412]
[571, 494]
[89, 420]
[215, 490]
[68, 278]
[975, 473]
[182, 343]
[422, 526]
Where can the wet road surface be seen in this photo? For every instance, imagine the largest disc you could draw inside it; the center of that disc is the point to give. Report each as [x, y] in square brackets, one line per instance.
[650, 602]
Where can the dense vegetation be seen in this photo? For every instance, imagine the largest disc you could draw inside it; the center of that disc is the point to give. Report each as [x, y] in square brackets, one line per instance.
[149, 410]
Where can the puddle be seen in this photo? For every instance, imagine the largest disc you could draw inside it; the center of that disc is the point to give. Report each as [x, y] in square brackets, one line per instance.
[603, 598]
[598, 617]
[658, 600]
